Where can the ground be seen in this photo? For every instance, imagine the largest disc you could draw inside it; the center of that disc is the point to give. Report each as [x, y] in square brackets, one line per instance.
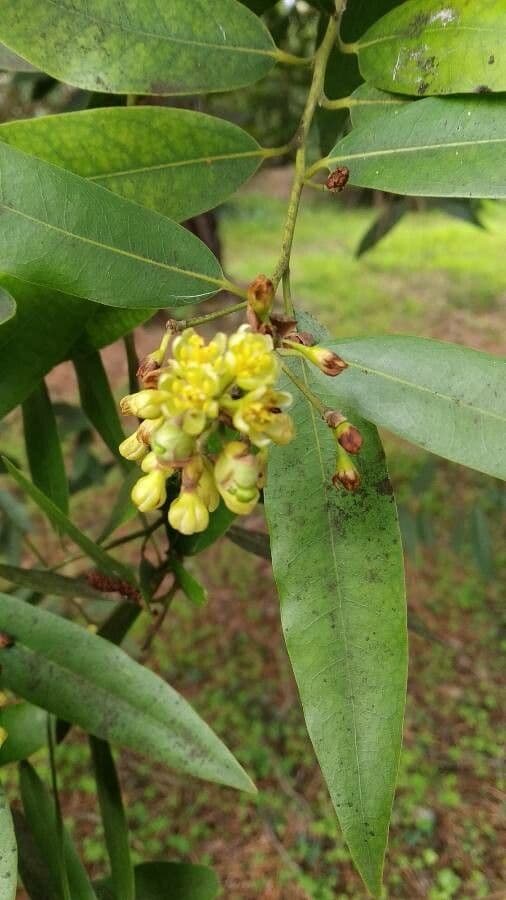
[433, 276]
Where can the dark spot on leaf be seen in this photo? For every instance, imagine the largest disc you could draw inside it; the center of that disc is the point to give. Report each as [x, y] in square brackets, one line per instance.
[417, 25]
[482, 89]
[422, 88]
[384, 486]
[491, 59]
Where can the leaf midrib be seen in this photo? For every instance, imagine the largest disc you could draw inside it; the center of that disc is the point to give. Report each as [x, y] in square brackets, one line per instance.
[341, 615]
[439, 32]
[160, 37]
[393, 150]
[433, 393]
[102, 246]
[173, 164]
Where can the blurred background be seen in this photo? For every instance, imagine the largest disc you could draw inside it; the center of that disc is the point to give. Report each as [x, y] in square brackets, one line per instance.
[438, 271]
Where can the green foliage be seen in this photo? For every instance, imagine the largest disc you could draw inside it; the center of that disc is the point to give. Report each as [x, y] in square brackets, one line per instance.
[26, 731]
[43, 447]
[7, 306]
[113, 817]
[8, 851]
[183, 881]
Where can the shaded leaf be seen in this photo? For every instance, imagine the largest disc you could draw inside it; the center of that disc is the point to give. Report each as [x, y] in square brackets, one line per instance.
[382, 225]
[7, 306]
[175, 161]
[255, 542]
[482, 543]
[337, 562]
[43, 448]
[430, 47]
[59, 230]
[451, 147]
[164, 880]
[446, 398]
[100, 688]
[113, 819]
[193, 589]
[33, 868]
[123, 509]
[8, 851]
[143, 48]
[97, 399]
[103, 560]
[49, 583]
[107, 325]
[11, 62]
[368, 104]
[40, 815]
[26, 731]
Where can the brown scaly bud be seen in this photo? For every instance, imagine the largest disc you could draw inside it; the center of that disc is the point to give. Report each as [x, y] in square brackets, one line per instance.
[337, 180]
[345, 433]
[260, 299]
[326, 360]
[346, 473]
[147, 372]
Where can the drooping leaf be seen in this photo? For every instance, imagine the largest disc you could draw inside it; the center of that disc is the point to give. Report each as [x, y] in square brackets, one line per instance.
[97, 399]
[40, 815]
[8, 851]
[26, 731]
[113, 819]
[256, 542]
[45, 326]
[191, 587]
[448, 399]
[337, 562]
[98, 687]
[433, 47]
[43, 447]
[164, 880]
[7, 306]
[103, 560]
[382, 225]
[59, 230]
[33, 868]
[49, 583]
[451, 147]
[142, 47]
[11, 62]
[175, 161]
[368, 104]
[123, 509]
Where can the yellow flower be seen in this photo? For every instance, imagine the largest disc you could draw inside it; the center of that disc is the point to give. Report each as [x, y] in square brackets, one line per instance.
[132, 448]
[192, 396]
[190, 349]
[260, 415]
[152, 462]
[198, 476]
[188, 513]
[251, 360]
[149, 492]
[237, 473]
[171, 443]
[144, 404]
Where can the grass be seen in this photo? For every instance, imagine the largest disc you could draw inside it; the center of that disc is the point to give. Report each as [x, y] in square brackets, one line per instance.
[431, 276]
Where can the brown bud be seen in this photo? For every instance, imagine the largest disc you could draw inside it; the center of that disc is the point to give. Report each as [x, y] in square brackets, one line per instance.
[349, 437]
[260, 297]
[337, 180]
[147, 367]
[333, 418]
[302, 337]
[348, 478]
[283, 325]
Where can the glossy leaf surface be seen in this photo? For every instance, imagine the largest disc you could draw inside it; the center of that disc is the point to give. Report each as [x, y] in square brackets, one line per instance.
[434, 47]
[98, 687]
[140, 46]
[337, 561]
[451, 147]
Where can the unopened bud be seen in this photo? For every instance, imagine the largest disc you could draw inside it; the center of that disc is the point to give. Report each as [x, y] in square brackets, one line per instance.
[149, 492]
[198, 476]
[237, 472]
[147, 428]
[172, 444]
[260, 297]
[346, 472]
[326, 360]
[132, 448]
[152, 362]
[152, 462]
[188, 513]
[349, 437]
[144, 404]
[337, 180]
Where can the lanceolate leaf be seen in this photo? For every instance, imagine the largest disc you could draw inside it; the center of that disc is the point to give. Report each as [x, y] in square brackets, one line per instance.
[113, 819]
[452, 147]
[142, 47]
[8, 851]
[97, 398]
[7, 306]
[176, 161]
[382, 225]
[59, 230]
[50, 583]
[367, 104]
[446, 398]
[43, 447]
[97, 686]
[337, 562]
[433, 47]
[164, 880]
[26, 728]
[103, 560]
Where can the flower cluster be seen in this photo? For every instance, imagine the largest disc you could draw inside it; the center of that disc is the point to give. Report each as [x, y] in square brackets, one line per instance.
[190, 404]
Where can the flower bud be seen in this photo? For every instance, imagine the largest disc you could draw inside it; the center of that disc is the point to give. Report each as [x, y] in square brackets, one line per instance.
[349, 437]
[172, 444]
[147, 428]
[152, 362]
[132, 448]
[337, 180]
[326, 360]
[149, 492]
[152, 462]
[237, 472]
[346, 472]
[198, 475]
[260, 297]
[144, 404]
[188, 513]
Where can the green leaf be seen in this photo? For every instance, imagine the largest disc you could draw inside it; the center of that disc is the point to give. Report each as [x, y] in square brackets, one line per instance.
[33, 868]
[43, 448]
[8, 851]
[382, 225]
[40, 815]
[107, 325]
[26, 731]
[97, 399]
[113, 819]
[451, 147]
[144, 48]
[368, 104]
[50, 583]
[59, 230]
[337, 562]
[448, 399]
[44, 328]
[430, 47]
[7, 306]
[11, 62]
[98, 687]
[255, 542]
[193, 589]
[103, 560]
[219, 523]
[175, 161]
[164, 880]
[123, 510]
